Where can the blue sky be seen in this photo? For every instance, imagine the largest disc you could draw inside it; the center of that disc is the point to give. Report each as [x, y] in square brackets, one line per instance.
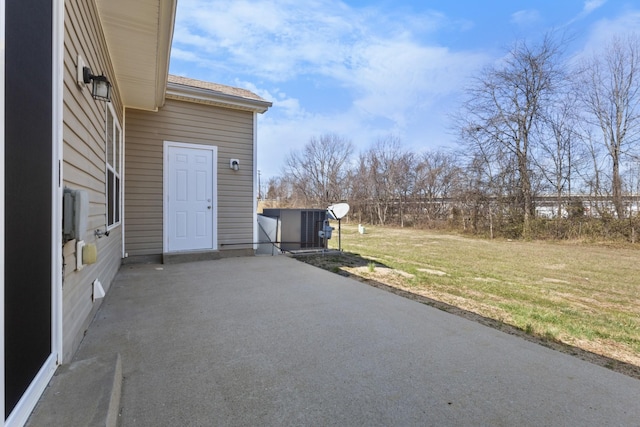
[367, 69]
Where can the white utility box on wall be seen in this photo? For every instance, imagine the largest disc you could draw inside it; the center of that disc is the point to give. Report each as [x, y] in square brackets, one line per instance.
[75, 214]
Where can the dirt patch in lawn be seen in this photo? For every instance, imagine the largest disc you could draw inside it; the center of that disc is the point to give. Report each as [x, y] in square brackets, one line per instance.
[376, 274]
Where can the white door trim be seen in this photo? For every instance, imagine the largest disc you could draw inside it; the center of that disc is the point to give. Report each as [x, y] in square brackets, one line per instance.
[29, 399]
[2, 172]
[25, 405]
[165, 187]
[57, 154]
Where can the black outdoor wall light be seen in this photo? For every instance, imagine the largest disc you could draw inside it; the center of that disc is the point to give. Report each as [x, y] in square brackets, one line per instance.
[101, 88]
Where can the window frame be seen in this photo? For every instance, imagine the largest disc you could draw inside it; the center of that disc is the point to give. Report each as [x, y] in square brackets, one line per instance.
[113, 169]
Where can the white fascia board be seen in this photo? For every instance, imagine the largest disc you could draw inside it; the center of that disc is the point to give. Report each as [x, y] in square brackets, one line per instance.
[206, 96]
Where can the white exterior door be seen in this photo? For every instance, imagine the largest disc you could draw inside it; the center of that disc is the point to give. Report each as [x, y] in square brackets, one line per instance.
[190, 197]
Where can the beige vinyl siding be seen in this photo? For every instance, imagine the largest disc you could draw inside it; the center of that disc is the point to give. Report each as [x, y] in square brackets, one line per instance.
[181, 121]
[84, 168]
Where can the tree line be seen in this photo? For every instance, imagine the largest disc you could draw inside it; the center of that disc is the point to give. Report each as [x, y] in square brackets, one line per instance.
[546, 146]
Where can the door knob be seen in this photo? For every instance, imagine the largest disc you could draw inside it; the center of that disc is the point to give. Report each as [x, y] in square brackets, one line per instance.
[208, 207]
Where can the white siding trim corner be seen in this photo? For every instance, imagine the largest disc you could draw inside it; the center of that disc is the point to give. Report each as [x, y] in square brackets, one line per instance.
[57, 179]
[122, 179]
[256, 190]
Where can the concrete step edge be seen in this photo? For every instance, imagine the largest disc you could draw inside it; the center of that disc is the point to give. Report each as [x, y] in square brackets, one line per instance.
[83, 393]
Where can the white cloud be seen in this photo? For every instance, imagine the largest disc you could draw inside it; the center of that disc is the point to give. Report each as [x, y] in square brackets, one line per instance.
[185, 55]
[388, 71]
[603, 31]
[397, 77]
[272, 40]
[525, 17]
[280, 40]
[591, 5]
[290, 107]
[277, 136]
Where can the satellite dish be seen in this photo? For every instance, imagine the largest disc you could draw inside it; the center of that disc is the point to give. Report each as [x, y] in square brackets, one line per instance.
[338, 210]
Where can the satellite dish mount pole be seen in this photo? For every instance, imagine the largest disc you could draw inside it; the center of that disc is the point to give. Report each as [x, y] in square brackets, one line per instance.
[333, 214]
[337, 212]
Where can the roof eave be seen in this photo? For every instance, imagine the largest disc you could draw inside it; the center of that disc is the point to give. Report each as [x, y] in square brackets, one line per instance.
[168, 16]
[139, 36]
[206, 96]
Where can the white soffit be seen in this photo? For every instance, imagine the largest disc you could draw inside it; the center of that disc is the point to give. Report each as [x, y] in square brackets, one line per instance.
[139, 35]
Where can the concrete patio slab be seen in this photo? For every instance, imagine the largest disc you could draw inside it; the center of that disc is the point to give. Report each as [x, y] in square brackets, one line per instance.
[271, 341]
[83, 393]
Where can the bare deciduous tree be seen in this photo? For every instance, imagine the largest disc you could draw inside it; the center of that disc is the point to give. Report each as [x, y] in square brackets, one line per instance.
[436, 175]
[319, 171]
[559, 151]
[280, 191]
[387, 166]
[360, 192]
[504, 105]
[609, 88]
[523, 134]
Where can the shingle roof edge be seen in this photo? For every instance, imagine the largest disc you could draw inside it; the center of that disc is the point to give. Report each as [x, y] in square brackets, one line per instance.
[199, 91]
